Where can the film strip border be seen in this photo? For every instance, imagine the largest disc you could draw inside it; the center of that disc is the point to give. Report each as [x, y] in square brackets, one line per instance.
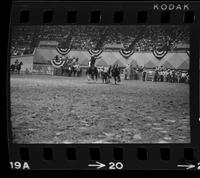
[119, 13]
[101, 157]
[105, 157]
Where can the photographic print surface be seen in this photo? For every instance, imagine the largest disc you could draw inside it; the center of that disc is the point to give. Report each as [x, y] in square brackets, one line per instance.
[100, 84]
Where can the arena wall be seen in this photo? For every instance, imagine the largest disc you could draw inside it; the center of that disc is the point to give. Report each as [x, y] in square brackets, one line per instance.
[39, 61]
[43, 69]
[141, 58]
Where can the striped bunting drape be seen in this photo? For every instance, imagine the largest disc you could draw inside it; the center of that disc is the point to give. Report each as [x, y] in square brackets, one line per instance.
[159, 53]
[126, 53]
[95, 52]
[57, 63]
[63, 51]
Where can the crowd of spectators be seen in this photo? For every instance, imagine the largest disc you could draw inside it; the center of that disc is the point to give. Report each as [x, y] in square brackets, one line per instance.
[162, 74]
[157, 74]
[141, 38]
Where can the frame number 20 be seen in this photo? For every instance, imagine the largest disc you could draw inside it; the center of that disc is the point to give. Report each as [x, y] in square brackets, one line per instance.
[117, 165]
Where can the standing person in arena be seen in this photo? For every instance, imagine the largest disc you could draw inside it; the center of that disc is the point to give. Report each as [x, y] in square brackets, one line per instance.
[125, 73]
[156, 75]
[131, 72]
[118, 69]
[143, 75]
[109, 71]
[178, 75]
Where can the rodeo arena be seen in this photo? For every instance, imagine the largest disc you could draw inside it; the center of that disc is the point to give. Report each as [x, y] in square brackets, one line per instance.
[100, 84]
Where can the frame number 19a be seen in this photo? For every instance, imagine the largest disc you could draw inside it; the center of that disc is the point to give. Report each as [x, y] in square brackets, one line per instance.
[19, 165]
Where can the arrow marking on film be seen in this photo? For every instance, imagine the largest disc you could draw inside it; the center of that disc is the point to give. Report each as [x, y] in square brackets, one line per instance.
[190, 166]
[98, 165]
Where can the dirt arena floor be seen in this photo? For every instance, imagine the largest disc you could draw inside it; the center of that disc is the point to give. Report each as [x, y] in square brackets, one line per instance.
[55, 109]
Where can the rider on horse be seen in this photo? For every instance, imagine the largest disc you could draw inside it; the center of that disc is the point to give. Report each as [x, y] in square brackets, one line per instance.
[17, 65]
[16, 62]
[93, 61]
[92, 69]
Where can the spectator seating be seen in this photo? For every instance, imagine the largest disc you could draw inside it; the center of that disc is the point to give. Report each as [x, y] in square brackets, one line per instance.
[25, 39]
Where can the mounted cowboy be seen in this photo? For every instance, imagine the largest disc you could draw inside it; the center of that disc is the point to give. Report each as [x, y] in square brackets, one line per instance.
[115, 71]
[93, 60]
[16, 62]
[16, 66]
[92, 69]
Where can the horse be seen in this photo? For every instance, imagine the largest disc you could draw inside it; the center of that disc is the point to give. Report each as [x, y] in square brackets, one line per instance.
[92, 72]
[105, 76]
[115, 73]
[73, 70]
[17, 67]
[12, 68]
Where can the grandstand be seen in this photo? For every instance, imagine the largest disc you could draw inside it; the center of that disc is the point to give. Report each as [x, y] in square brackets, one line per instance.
[26, 38]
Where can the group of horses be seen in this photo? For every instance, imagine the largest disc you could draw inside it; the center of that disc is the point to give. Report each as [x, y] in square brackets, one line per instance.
[106, 75]
[72, 68]
[92, 72]
[16, 67]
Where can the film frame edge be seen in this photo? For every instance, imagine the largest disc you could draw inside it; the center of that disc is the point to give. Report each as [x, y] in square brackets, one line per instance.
[178, 151]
